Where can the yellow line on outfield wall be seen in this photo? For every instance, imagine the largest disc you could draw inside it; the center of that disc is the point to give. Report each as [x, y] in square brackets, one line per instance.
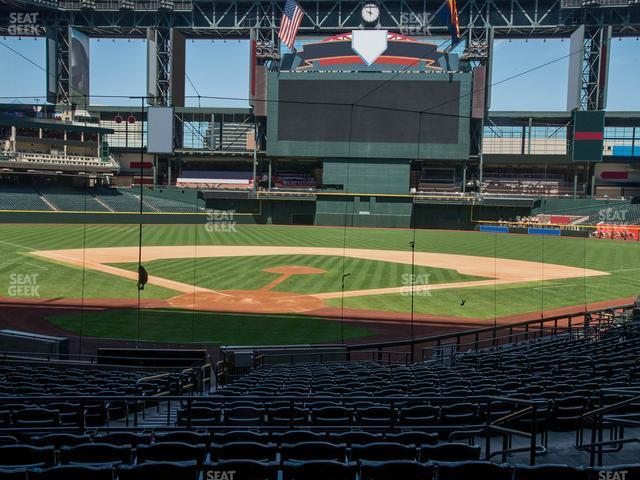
[351, 194]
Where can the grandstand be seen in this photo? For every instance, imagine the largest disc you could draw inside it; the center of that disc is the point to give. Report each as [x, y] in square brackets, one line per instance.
[59, 198]
[443, 417]
[20, 198]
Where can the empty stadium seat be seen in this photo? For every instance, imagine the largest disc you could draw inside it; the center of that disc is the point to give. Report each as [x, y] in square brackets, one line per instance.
[73, 472]
[8, 440]
[383, 451]
[449, 452]
[59, 440]
[244, 451]
[550, 472]
[26, 456]
[96, 454]
[473, 469]
[159, 471]
[171, 451]
[396, 469]
[13, 473]
[415, 438]
[123, 438]
[187, 436]
[295, 436]
[305, 451]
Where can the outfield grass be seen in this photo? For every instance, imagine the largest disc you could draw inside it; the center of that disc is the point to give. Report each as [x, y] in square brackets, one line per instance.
[246, 273]
[622, 259]
[180, 326]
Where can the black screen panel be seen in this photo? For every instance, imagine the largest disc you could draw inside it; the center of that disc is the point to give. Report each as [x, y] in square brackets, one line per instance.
[384, 111]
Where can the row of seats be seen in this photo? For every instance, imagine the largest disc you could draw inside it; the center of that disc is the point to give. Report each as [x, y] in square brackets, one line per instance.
[71, 200]
[134, 438]
[563, 412]
[18, 456]
[23, 380]
[323, 470]
[13, 197]
[27, 197]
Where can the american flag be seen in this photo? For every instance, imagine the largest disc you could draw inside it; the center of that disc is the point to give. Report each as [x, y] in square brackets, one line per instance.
[290, 23]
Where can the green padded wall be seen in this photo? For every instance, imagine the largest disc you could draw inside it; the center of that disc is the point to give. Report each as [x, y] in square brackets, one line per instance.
[373, 179]
[379, 176]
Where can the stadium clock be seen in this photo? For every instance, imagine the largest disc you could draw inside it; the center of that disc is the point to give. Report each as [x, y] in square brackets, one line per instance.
[370, 12]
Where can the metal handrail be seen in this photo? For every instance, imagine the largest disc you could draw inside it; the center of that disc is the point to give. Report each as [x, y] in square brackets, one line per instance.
[86, 359]
[596, 419]
[448, 336]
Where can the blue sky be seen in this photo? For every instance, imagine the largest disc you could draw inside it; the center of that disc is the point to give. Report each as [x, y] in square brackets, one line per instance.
[220, 68]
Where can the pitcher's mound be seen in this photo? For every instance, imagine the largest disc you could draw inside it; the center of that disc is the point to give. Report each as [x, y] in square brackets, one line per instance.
[248, 301]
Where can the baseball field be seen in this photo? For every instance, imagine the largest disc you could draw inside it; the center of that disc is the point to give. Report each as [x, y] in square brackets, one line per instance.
[284, 284]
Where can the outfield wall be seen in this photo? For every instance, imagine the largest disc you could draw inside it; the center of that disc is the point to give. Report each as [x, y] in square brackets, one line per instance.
[353, 210]
[338, 211]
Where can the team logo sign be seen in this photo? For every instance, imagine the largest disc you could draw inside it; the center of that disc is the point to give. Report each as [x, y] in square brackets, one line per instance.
[368, 50]
[369, 44]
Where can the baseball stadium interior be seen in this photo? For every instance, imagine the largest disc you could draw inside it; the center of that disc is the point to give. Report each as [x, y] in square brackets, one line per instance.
[363, 272]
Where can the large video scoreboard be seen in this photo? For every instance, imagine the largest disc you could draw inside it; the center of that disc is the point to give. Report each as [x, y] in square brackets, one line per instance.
[369, 115]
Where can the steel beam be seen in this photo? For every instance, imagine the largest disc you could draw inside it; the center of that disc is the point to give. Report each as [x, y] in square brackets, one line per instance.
[595, 68]
[235, 18]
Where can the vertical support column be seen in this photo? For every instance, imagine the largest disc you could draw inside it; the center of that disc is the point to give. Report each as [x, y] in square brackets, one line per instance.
[464, 178]
[595, 68]
[588, 68]
[166, 59]
[58, 65]
[158, 66]
[166, 48]
[478, 52]
[155, 172]
[255, 154]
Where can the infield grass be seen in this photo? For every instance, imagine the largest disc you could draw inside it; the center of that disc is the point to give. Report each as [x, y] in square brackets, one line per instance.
[247, 273]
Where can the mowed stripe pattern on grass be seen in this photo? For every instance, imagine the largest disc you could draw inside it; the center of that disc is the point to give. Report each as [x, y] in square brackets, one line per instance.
[246, 273]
